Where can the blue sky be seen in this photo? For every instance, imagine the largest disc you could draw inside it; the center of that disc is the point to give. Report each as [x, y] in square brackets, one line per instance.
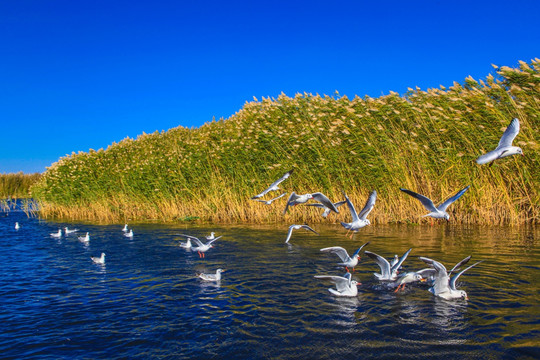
[76, 75]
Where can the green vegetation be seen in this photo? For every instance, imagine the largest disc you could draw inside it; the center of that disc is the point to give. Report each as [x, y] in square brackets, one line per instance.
[425, 141]
[17, 185]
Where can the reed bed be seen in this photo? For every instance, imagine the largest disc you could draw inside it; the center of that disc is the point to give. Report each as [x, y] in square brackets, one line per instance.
[425, 141]
[17, 185]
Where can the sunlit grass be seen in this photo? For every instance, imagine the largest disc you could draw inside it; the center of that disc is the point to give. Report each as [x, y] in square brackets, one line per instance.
[425, 141]
[17, 185]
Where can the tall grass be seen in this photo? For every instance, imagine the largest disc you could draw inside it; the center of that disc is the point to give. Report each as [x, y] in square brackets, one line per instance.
[17, 185]
[425, 141]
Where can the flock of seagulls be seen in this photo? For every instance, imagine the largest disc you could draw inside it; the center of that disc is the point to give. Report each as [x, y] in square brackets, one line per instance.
[442, 284]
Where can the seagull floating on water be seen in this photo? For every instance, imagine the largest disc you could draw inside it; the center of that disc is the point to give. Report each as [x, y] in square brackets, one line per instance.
[295, 199]
[345, 285]
[327, 210]
[273, 186]
[438, 212]
[212, 236]
[269, 202]
[359, 220]
[296, 227]
[505, 147]
[187, 245]
[70, 231]
[129, 234]
[201, 248]
[388, 273]
[57, 234]
[444, 286]
[17, 226]
[211, 277]
[85, 238]
[99, 260]
[125, 228]
[347, 261]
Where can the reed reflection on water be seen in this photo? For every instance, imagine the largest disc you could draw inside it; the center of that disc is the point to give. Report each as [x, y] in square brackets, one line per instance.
[146, 301]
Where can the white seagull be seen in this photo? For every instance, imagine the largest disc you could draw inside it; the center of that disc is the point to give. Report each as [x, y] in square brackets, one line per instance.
[269, 202]
[200, 248]
[295, 199]
[70, 231]
[99, 260]
[85, 238]
[388, 273]
[444, 286]
[17, 226]
[414, 276]
[273, 186]
[296, 227]
[347, 261]
[212, 277]
[345, 285]
[57, 234]
[125, 228]
[129, 234]
[505, 147]
[438, 212]
[327, 210]
[187, 245]
[212, 236]
[359, 220]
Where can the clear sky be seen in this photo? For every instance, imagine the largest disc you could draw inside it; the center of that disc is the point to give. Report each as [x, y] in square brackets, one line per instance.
[80, 74]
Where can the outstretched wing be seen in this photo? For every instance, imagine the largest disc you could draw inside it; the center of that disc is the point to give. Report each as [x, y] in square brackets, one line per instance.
[339, 251]
[354, 214]
[320, 197]
[454, 279]
[197, 241]
[398, 264]
[450, 200]
[370, 203]
[459, 264]
[291, 198]
[291, 228]
[382, 262]
[305, 226]
[359, 249]
[428, 204]
[441, 278]
[509, 134]
[211, 241]
[273, 186]
[342, 283]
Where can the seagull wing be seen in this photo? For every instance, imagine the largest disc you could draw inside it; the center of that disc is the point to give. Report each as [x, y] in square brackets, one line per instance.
[359, 249]
[274, 185]
[291, 198]
[291, 228]
[352, 210]
[428, 204]
[197, 241]
[382, 262]
[370, 203]
[454, 279]
[308, 228]
[459, 264]
[441, 278]
[509, 134]
[450, 200]
[339, 251]
[342, 283]
[320, 197]
[401, 260]
[211, 241]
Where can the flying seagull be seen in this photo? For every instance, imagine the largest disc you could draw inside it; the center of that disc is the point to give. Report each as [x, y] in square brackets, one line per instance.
[505, 147]
[347, 261]
[438, 212]
[274, 186]
[268, 202]
[359, 220]
[345, 285]
[296, 227]
[327, 210]
[444, 286]
[201, 248]
[295, 199]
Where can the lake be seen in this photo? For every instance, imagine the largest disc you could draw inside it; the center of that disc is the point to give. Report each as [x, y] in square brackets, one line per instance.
[146, 301]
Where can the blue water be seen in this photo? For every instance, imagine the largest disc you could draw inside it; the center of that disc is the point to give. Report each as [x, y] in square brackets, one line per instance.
[146, 302]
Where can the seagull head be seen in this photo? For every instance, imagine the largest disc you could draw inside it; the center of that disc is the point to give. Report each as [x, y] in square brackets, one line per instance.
[463, 295]
[447, 217]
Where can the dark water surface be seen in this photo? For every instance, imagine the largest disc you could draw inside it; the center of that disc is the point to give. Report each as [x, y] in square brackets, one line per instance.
[147, 303]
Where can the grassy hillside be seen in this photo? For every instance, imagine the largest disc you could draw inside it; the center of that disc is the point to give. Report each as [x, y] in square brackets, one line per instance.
[425, 141]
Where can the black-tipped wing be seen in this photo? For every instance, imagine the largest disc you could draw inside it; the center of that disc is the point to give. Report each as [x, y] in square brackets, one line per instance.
[339, 251]
[428, 204]
[273, 186]
[509, 134]
[382, 262]
[352, 210]
[398, 264]
[454, 279]
[450, 200]
[459, 264]
[359, 249]
[320, 197]
[370, 203]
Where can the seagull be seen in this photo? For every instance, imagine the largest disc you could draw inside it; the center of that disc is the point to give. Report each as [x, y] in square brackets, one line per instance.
[296, 227]
[125, 228]
[85, 238]
[347, 261]
[200, 248]
[187, 245]
[212, 236]
[414, 276]
[274, 186]
[438, 212]
[211, 277]
[70, 231]
[505, 147]
[99, 260]
[345, 285]
[17, 226]
[57, 234]
[295, 199]
[388, 273]
[359, 220]
[327, 210]
[444, 286]
[269, 202]
[129, 234]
